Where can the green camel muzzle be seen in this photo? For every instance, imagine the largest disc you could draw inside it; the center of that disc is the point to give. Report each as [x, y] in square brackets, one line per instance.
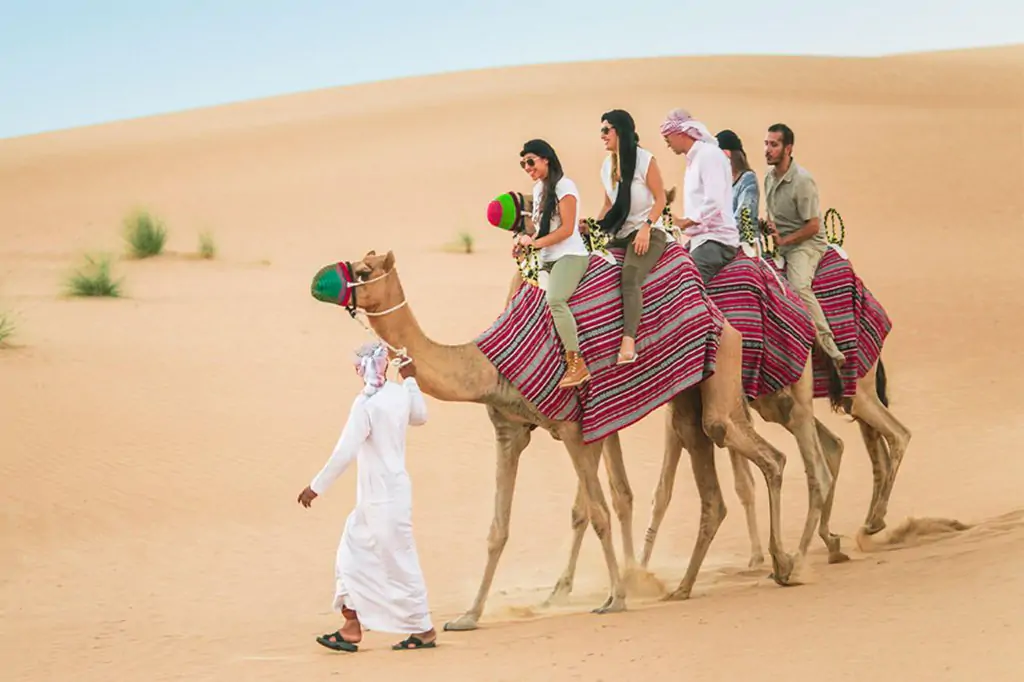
[335, 284]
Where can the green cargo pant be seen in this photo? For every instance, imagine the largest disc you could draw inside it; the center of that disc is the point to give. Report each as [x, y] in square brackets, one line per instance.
[564, 276]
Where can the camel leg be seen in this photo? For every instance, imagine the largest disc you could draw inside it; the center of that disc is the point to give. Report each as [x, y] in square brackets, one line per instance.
[832, 447]
[563, 588]
[725, 420]
[685, 412]
[793, 409]
[878, 452]
[743, 480]
[666, 482]
[511, 439]
[867, 408]
[622, 501]
[586, 460]
[622, 496]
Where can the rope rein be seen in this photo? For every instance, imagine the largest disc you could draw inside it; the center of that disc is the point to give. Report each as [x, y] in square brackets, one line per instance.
[401, 358]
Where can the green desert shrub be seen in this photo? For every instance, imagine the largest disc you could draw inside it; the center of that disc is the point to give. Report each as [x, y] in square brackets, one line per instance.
[6, 327]
[207, 248]
[466, 242]
[94, 279]
[145, 234]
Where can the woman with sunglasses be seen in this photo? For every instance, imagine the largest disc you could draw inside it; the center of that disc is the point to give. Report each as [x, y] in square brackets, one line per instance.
[563, 253]
[631, 215]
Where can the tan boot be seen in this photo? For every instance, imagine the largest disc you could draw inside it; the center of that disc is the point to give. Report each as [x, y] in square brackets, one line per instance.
[577, 373]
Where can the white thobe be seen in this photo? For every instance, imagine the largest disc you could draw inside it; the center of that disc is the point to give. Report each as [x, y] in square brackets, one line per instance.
[377, 570]
[707, 196]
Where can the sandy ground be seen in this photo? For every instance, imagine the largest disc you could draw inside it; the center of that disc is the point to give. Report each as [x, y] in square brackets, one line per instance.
[151, 448]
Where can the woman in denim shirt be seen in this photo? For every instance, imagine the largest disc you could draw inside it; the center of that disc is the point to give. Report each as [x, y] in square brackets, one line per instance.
[745, 191]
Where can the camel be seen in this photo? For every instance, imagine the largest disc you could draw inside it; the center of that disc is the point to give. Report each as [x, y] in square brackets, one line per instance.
[711, 412]
[885, 438]
[791, 407]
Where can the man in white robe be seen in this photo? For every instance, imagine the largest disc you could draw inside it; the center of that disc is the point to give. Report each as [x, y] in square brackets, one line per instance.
[378, 581]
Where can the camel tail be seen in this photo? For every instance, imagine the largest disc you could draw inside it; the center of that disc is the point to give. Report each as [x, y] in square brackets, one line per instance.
[835, 387]
[881, 383]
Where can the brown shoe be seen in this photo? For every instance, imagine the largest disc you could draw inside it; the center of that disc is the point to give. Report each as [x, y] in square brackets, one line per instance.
[577, 373]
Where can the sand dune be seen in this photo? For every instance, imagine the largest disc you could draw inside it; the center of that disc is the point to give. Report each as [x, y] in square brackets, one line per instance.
[152, 447]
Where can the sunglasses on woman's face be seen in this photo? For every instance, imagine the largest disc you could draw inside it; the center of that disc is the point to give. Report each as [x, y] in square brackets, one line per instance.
[527, 162]
[605, 130]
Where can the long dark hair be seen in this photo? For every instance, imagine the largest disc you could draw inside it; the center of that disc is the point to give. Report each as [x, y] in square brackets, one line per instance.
[549, 200]
[739, 163]
[625, 128]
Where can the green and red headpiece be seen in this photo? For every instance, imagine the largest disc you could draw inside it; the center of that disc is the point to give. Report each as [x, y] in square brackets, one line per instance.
[333, 284]
[507, 212]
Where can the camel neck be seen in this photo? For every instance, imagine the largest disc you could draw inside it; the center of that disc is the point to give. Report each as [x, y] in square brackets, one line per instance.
[449, 373]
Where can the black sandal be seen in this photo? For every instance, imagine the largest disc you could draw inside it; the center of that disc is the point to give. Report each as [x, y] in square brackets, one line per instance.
[414, 642]
[336, 641]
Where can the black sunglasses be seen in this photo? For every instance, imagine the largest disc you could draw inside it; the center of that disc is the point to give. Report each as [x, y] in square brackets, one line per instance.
[527, 162]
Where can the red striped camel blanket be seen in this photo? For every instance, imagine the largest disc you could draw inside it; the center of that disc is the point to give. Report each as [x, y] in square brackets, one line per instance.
[777, 329]
[677, 343]
[858, 321]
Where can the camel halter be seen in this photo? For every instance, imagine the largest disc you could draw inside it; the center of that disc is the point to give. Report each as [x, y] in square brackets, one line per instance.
[351, 283]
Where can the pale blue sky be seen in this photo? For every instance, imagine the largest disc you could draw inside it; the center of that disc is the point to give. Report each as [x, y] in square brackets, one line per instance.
[66, 63]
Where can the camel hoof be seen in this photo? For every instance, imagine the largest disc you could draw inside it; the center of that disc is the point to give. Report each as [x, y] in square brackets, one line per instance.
[783, 570]
[833, 543]
[874, 528]
[677, 595]
[560, 594]
[463, 623]
[611, 605]
[756, 561]
[837, 557]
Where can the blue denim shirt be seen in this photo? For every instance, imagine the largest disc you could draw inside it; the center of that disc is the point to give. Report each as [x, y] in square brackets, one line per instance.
[745, 192]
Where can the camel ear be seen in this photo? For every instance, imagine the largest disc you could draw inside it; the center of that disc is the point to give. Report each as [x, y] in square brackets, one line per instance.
[389, 261]
[369, 253]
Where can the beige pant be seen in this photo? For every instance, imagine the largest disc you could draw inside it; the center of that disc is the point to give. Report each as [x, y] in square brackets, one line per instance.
[801, 265]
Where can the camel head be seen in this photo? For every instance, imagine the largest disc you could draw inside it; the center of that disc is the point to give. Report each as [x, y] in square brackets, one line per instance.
[368, 284]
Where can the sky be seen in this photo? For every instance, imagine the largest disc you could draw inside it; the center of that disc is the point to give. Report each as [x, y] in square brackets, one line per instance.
[68, 63]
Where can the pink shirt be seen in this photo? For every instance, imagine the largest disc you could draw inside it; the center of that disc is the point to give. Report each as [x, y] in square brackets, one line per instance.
[707, 196]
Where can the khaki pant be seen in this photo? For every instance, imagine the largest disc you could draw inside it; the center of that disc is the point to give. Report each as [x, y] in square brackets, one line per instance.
[635, 269]
[565, 275]
[801, 265]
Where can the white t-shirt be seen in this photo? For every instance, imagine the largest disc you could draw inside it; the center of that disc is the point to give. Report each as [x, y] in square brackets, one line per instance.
[641, 199]
[573, 245]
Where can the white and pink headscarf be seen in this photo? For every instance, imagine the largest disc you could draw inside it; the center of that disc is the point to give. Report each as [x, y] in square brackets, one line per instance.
[371, 362]
[680, 121]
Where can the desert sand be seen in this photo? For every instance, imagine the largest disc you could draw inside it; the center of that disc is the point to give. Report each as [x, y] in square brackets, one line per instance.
[152, 447]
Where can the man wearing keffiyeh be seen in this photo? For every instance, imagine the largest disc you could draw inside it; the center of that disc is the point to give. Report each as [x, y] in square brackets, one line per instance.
[378, 581]
[708, 218]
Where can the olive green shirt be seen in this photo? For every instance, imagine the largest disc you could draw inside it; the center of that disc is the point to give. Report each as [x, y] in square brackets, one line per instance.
[791, 201]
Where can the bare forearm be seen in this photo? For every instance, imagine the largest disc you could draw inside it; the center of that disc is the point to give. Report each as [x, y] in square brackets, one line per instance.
[552, 238]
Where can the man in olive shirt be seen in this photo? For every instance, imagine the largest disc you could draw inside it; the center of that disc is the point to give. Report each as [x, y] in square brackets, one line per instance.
[794, 217]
